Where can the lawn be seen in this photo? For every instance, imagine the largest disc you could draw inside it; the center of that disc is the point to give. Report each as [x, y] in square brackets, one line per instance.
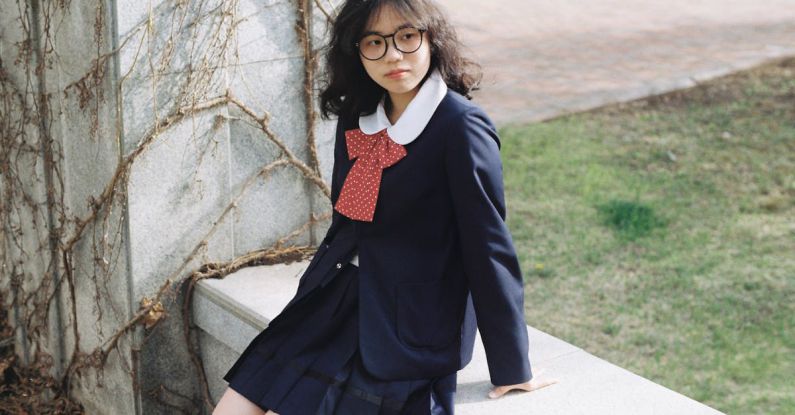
[660, 235]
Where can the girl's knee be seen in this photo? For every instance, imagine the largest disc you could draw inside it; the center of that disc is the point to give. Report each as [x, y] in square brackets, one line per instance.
[233, 403]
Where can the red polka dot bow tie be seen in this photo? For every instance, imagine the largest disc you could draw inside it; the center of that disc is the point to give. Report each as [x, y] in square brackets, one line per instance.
[374, 152]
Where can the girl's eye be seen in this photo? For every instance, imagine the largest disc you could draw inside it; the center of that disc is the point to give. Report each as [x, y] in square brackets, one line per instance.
[408, 36]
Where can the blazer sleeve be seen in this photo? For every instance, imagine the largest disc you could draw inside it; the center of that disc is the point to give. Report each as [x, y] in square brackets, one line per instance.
[340, 154]
[474, 174]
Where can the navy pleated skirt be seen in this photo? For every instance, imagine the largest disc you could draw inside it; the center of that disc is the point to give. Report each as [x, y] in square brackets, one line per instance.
[307, 362]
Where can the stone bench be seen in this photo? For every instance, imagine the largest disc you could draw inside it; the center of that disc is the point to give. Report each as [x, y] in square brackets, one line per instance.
[231, 311]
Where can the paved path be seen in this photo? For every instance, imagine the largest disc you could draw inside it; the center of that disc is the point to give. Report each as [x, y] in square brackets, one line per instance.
[543, 58]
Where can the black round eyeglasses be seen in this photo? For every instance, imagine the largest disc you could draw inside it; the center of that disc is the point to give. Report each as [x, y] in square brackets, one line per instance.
[374, 46]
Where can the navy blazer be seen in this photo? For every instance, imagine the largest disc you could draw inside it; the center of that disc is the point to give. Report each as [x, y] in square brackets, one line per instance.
[437, 259]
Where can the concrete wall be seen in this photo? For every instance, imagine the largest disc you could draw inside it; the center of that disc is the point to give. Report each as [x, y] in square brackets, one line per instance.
[75, 126]
[178, 191]
[178, 186]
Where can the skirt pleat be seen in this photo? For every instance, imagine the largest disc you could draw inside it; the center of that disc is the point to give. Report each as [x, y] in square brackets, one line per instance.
[309, 363]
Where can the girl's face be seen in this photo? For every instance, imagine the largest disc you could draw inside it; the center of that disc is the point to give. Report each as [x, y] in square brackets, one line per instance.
[416, 63]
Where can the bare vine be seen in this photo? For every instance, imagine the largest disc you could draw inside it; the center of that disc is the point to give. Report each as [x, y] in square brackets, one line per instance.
[39, 233]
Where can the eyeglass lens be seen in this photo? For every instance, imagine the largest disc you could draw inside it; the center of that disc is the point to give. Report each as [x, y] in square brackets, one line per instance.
[374, 46]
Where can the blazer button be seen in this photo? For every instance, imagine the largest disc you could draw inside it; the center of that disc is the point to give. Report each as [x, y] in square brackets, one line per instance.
[339, 265]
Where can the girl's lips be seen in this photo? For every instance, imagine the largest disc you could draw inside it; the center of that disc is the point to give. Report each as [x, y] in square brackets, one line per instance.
[397, 74]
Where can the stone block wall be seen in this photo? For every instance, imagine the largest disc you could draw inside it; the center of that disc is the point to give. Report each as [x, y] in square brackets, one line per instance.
[144, 140]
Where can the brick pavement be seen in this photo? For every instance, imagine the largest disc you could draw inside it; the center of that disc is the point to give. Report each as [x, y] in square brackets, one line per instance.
[544, 58]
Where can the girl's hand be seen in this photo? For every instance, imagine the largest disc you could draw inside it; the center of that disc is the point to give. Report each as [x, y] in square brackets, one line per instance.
[535, 383]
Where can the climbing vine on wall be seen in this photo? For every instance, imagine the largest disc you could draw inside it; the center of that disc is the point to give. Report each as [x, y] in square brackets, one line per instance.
[40, 233]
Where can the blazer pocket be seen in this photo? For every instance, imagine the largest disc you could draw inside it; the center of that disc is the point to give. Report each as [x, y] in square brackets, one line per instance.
[427, 314]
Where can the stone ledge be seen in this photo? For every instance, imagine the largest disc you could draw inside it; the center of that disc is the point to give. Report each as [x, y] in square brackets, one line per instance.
[230, 312]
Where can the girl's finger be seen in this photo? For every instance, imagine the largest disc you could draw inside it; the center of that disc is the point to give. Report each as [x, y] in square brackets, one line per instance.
[541, 383]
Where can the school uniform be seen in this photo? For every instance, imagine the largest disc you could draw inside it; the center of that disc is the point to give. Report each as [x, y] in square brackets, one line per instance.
[418, 255]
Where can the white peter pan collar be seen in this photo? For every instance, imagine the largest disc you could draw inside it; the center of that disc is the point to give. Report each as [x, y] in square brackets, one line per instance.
[414, 118]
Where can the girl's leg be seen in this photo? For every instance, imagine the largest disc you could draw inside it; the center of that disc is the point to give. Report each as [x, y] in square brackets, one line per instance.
[233, 403]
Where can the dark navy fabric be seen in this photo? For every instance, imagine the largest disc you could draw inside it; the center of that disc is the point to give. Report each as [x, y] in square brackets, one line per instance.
[438, 261]
[308, 363]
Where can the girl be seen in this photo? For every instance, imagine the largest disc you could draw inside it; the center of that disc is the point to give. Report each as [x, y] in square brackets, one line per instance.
[417, 196]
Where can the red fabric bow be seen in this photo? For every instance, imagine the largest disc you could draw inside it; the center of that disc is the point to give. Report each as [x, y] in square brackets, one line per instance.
[374, 152]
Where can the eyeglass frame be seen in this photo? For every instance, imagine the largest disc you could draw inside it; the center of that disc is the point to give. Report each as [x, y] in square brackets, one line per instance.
[386, 42]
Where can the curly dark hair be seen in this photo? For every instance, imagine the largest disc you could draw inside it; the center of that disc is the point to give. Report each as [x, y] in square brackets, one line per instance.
[350, 92]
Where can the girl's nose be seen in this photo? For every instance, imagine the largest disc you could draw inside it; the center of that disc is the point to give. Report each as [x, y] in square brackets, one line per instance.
[392, 52]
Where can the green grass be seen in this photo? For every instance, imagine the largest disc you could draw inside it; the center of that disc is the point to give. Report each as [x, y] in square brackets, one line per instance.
[660, 235]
